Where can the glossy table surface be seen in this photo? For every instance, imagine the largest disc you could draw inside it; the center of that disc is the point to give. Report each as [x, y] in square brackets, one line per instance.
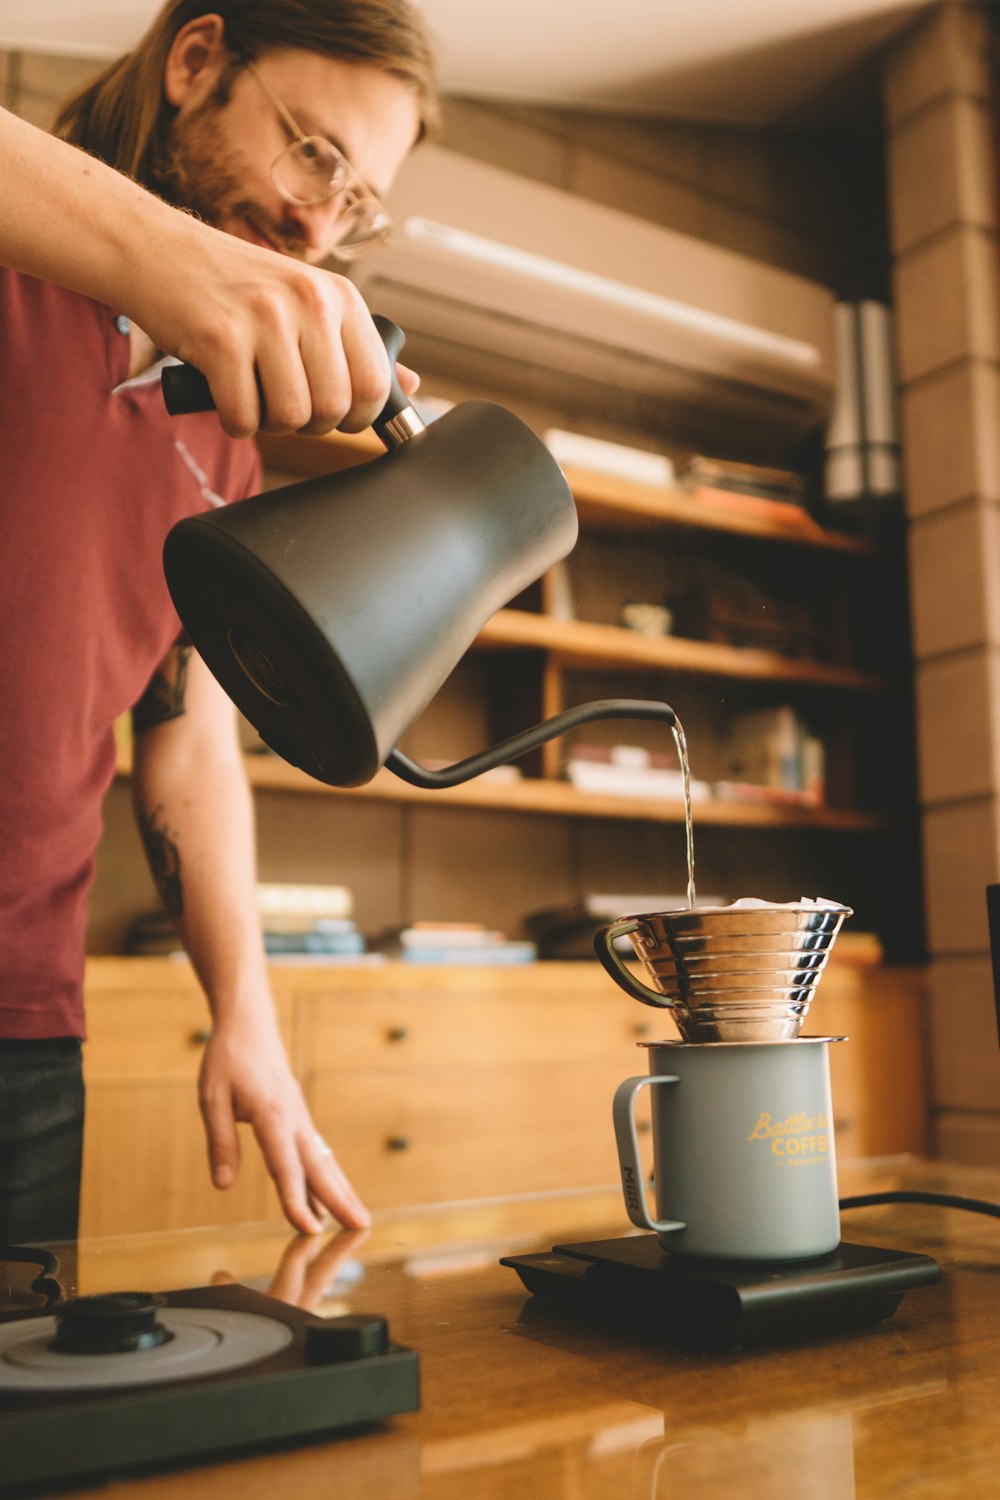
[521, 1398]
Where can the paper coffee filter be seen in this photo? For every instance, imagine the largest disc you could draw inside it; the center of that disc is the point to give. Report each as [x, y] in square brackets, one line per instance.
[756, 903]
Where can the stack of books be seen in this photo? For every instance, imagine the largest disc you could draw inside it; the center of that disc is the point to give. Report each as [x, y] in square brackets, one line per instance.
[460, 943]
[772, 757]
[308, 921]
[298, 922]
[630, 771]
[777, 495]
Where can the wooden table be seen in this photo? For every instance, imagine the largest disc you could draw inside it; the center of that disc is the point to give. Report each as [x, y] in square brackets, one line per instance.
[521, 1399]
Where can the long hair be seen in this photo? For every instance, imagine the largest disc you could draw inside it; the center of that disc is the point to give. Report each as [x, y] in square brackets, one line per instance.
[123, 116]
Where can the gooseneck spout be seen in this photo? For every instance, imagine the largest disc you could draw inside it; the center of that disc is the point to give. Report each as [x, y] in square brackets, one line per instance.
[529, 739]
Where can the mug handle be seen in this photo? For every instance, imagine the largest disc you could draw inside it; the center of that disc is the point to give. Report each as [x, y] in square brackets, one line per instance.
[627, 1142]
[604, 939]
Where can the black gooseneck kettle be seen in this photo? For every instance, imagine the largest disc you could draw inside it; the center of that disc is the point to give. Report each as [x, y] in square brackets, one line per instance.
[331, 611]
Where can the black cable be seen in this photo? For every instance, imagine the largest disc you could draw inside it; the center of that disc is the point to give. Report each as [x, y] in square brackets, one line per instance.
[940, 1200]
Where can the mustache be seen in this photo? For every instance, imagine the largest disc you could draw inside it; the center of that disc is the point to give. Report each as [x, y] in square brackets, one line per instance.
[284, 238]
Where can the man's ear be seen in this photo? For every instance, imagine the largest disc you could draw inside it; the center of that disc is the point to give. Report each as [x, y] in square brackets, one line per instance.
[195, 60]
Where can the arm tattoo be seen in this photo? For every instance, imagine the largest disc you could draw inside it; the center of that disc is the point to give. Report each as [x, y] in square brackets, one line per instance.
[163, 699]
[164, 860]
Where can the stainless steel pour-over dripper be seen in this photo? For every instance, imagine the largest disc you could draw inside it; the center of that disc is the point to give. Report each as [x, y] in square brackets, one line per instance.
[745, 972]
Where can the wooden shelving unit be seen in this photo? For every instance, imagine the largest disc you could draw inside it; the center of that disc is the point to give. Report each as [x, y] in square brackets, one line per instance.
[538, 795]
[578, 645]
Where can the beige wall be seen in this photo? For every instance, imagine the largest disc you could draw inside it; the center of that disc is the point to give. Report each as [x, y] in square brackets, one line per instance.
[807, 203]
[943, 200]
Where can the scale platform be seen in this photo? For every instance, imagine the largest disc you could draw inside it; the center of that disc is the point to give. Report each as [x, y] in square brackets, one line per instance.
[723, 1304]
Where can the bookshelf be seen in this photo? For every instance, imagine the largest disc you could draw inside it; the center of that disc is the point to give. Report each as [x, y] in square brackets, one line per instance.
[544, 796]
[546, 653]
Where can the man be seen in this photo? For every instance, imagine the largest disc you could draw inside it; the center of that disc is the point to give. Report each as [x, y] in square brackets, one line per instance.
[280, 122]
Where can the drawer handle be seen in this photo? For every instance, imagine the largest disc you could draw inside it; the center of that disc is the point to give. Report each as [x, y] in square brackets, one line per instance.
[398, 1143]
[397, 1033]
[200, 1037]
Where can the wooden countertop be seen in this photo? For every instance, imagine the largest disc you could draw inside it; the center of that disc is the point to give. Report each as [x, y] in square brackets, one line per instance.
[519, 1398]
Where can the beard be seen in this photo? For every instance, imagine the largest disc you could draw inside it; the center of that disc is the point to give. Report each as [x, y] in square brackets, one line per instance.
[197, 170]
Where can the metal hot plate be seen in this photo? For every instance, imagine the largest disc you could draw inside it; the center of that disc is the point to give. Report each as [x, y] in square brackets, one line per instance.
[104, 1385]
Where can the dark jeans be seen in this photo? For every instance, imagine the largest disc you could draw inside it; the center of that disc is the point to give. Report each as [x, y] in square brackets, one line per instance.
[41, 1139]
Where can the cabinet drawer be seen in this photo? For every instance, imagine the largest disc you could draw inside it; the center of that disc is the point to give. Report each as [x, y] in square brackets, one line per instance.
[150, 1031]
[397, 1029]
[454, 1133]
[145, 1164]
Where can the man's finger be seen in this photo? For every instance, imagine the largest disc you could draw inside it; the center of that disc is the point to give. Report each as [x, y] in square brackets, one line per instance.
[223, 1139]
[285, 1165]
[329, 1185]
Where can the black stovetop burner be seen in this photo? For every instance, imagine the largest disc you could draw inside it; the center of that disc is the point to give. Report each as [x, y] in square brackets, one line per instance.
[93, 1387]
[633, 1283]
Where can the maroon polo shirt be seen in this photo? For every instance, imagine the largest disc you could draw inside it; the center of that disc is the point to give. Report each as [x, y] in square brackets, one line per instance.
[93, 473]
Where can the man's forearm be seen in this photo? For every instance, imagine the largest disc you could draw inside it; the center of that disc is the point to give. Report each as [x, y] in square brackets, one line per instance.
[195, 817]
[242, 314]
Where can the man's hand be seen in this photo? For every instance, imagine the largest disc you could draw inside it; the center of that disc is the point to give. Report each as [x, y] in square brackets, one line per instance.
[245, 1077]
[238, 312]
[259, 324]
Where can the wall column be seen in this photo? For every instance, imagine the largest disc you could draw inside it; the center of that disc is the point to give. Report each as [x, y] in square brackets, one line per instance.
[946, 275]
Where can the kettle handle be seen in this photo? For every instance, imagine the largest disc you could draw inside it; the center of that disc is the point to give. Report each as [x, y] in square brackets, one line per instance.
[185, 390]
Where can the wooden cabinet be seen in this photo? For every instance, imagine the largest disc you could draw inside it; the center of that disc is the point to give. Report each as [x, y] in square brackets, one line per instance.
[468, 1083]
[145, 1159]
[436, 1085]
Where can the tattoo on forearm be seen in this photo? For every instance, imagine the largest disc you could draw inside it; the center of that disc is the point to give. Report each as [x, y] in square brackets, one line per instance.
[163, 699]
[164, 860]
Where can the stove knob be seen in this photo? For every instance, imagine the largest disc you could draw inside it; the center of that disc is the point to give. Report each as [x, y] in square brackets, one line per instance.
[355, 1336]
[115, 1323]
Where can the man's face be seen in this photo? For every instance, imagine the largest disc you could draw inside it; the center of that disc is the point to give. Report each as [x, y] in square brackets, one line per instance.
[222, 152]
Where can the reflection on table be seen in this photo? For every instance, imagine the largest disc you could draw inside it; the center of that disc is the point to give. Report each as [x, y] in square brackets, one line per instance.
[523, 1398]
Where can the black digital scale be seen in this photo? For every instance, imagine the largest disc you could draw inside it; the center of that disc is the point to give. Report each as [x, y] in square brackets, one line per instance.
[111, 1384]
[711, 1304]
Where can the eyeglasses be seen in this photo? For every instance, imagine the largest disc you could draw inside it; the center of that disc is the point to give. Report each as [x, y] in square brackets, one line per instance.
[311, 170]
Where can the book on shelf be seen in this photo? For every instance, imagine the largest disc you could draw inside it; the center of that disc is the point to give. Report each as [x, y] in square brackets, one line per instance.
[318, 940]
[303, 902]
[630, 771]
[777, 496]
[458, 943]
[576, 450]
[305, 920]
[738, 478]
[771, 756]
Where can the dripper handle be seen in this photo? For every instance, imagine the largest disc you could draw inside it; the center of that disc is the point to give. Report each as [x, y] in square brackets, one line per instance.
[604, 940]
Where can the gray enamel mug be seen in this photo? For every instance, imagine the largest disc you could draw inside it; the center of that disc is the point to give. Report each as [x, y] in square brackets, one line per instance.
[744, 1164]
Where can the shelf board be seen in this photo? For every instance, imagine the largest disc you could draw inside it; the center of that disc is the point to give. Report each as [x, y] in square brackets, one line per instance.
[578, 643]
[555, 798]
[600, 499]
[603, 500]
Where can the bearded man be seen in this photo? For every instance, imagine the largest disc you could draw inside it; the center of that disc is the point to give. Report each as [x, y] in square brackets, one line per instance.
[282, 123]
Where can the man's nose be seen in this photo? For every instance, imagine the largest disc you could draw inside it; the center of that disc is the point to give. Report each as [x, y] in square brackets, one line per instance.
[318, 225]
